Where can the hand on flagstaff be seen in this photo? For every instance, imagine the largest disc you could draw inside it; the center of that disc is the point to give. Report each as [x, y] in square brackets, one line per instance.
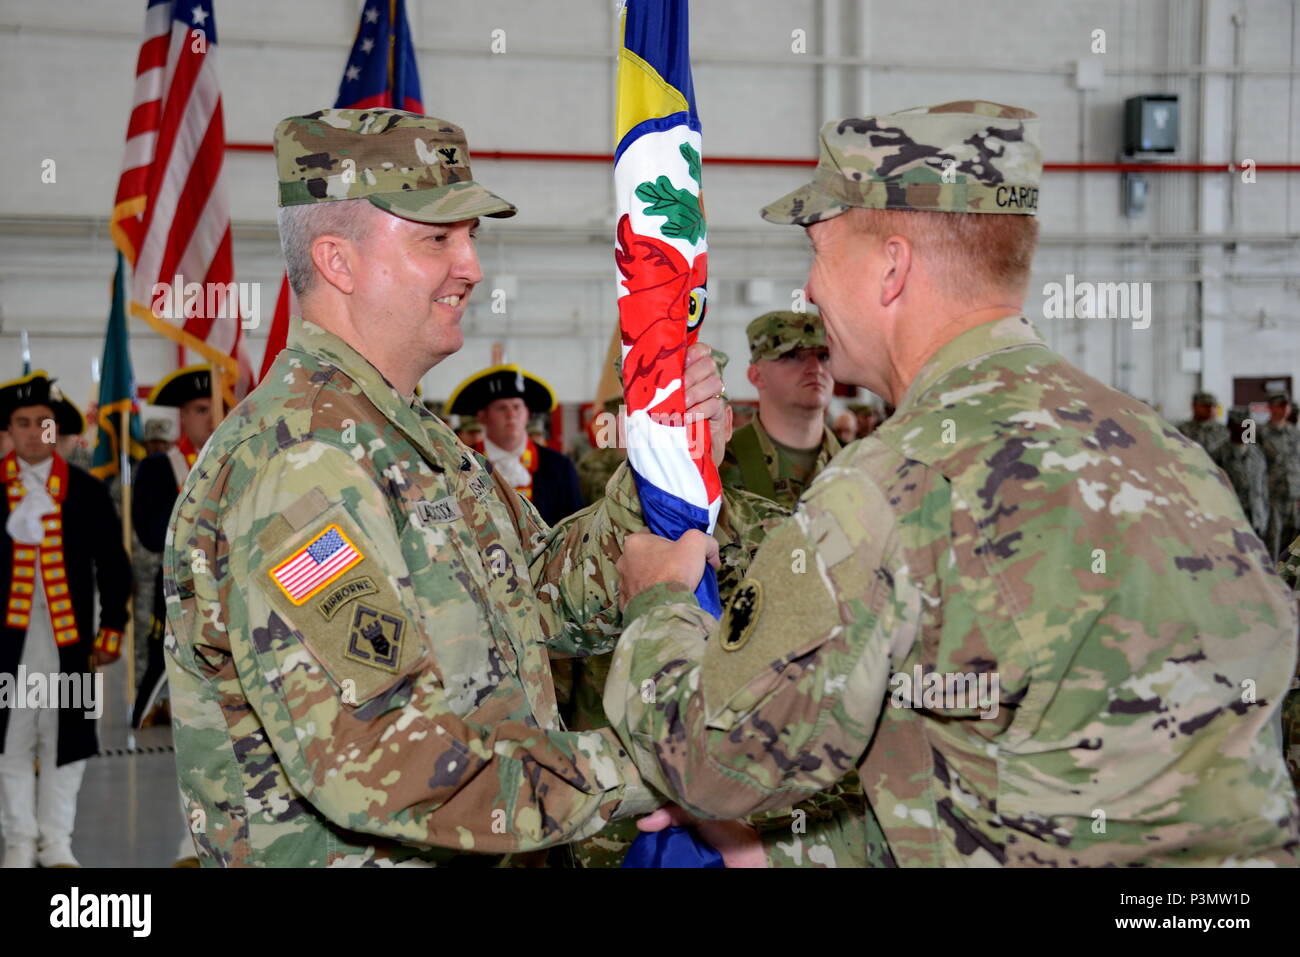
[648, 559]
[737, 842]
[704, 392]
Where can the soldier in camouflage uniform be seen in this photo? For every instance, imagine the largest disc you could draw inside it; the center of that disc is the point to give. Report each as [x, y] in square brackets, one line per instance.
[787, 354]
[1032, 616]
[1280, 442]
[825, 830]
[598, 465]
[1202, 428]
[1289, 569]
[356, 651]
[1247, 470]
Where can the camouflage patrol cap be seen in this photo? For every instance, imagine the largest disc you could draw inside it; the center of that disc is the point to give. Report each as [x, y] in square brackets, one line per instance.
[773, 334]
[1204, 398]
[412, 166]
[1279, 398]
[720, 359]
[970, 156]
[157, 430]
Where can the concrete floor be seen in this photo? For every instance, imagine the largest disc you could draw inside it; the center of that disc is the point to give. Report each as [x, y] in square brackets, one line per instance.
[128, 811]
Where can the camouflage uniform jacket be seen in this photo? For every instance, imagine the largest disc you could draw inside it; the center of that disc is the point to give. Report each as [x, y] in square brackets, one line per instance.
[1289, 568]
[595, 468]
[1209, 435]
[1066, 541]
[400, 709]
[1248, 472]
[828, 831]
[785, 486]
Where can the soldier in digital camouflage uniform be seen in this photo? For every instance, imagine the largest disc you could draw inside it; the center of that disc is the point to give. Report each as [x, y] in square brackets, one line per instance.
[827, 831]
[1247, 470]
[1280, 442]
[1015, 519]
[355, 650]
[755, 460]
[1202, 428]
[598, 465]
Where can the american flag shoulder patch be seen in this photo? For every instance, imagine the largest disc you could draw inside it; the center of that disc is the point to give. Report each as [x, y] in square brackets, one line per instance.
[325, 558]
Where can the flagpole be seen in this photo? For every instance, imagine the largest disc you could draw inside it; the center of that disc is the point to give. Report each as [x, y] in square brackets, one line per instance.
[218, 396]
[124, 477]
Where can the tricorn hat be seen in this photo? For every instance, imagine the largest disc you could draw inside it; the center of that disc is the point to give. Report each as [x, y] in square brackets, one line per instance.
[500, 382]
[37, 388]
[183, 385]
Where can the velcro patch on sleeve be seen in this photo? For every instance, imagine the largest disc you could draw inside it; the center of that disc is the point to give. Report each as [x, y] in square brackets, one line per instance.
[782, 606]
[328, 584]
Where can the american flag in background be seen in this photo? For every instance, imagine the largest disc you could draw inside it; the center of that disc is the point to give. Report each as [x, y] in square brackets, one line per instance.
[381, 71]
[315, 565]
[170, 217]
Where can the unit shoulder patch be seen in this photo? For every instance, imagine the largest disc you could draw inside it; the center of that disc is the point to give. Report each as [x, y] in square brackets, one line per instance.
[375, 638]
[330, 585]
[741, 615]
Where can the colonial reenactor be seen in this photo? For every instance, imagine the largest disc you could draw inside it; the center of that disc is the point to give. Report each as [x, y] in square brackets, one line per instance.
[357, 648]
[1280, 442]
[1028, 614]
[158, 481]
[787, 443]
[502, 399]
[1203, 428]
[71, 424]
[61, 541]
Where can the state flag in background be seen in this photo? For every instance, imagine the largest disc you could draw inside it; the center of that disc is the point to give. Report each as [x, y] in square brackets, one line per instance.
[116, 389]
[381, 72]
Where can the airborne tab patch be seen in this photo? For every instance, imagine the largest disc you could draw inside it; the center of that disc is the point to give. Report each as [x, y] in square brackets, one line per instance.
[340, 595]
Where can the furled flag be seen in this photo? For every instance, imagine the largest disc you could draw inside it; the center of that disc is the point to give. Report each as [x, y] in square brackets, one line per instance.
[381, 71]
[170, 218]
[116, 389]
[661, 254]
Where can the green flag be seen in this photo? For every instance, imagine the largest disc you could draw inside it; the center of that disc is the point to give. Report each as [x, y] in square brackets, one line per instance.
[116, 390]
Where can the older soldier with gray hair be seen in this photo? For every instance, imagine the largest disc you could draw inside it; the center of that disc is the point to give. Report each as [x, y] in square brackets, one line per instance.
[1027, 611]
[357, 648]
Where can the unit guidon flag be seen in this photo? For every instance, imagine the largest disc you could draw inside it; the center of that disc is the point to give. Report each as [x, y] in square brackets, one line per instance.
[661, 251]
[662, 256]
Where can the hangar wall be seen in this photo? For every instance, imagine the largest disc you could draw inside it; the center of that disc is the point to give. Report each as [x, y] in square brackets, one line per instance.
[1221, 254]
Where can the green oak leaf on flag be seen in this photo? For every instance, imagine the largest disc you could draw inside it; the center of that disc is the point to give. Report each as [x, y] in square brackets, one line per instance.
[679, 206]
[692, 158]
